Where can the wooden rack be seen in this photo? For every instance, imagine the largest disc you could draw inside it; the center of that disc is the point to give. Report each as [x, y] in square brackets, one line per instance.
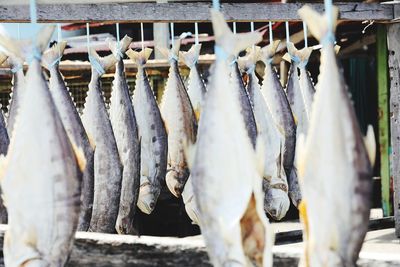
[180, 11]
[186, 12]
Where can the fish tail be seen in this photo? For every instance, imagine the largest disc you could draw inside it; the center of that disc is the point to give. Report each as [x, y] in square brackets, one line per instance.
[52, 55]
[191, 57]
[292, 54]
[231, 43]
[140, 58]
[317, 23]
[304, 54]
[101, 64]
[119, 48]
[16, 47]
[3, 57]
[269, 51]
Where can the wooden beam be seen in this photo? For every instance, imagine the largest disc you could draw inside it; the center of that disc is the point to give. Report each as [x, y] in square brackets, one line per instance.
[185, 12]
[393, 38]
[383, 117]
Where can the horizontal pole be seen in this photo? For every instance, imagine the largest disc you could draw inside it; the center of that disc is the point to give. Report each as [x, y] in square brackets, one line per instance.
[186, 12]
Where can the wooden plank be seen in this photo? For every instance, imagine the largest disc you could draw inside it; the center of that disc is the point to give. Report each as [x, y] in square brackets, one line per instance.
[105, 250]
[383, 117]
[393, 39]
[186, 12]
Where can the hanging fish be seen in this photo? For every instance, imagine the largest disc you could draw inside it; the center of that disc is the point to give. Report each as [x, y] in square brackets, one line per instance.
[233, 222]
[335, 166]
[245, 106]
[73, 126]
[41, 191]
[4, 142]
[296, 101]
[306, 84]
[152, 135]
[107, 164]
[123, 121]
[276, 201]
[196, 92]
[180, 122]
[279, 107]
[196, 87]
[17, 90]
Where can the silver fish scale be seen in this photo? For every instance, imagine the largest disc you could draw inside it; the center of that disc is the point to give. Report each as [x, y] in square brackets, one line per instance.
[284, 118]
[43, 223]
[107, 165]
[149, 120]
[125, 129]
[17, 89]
[246, 107]
[77, 135]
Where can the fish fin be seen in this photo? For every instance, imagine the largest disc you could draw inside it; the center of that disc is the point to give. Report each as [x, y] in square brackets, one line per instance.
[292, 50]
[337, 49]
[189, 149]
[300, 157]
[287, 58]
[3, 165]
[21, 48]
[316, 22]
[260, 155]
[80, 157]
[53, 54]
[123, 45]
[191, 57]
[370, 144]
[105, 62]
[3, 58]
[141, 57]
[267, 52]
[304, 220]
[304, 54]
[91, 141]
[231, 43]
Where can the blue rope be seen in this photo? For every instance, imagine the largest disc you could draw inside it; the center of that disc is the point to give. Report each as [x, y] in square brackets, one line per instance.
[216, 5]
[328, 12]
[93, 61]
[271, 38]
[36, 53]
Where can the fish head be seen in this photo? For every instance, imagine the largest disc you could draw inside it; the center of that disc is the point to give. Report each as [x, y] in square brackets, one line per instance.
[147, 197]
[276, 202]
[176, 181]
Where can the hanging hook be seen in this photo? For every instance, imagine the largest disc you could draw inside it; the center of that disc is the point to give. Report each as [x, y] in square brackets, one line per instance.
[216, 5]
[87, 35]
[305, 34]
[252, 30]
[271, 37]
[117, 30]
[142, 34]
[196, 33]
[172, 34]
[33, 11]
[287, 32]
